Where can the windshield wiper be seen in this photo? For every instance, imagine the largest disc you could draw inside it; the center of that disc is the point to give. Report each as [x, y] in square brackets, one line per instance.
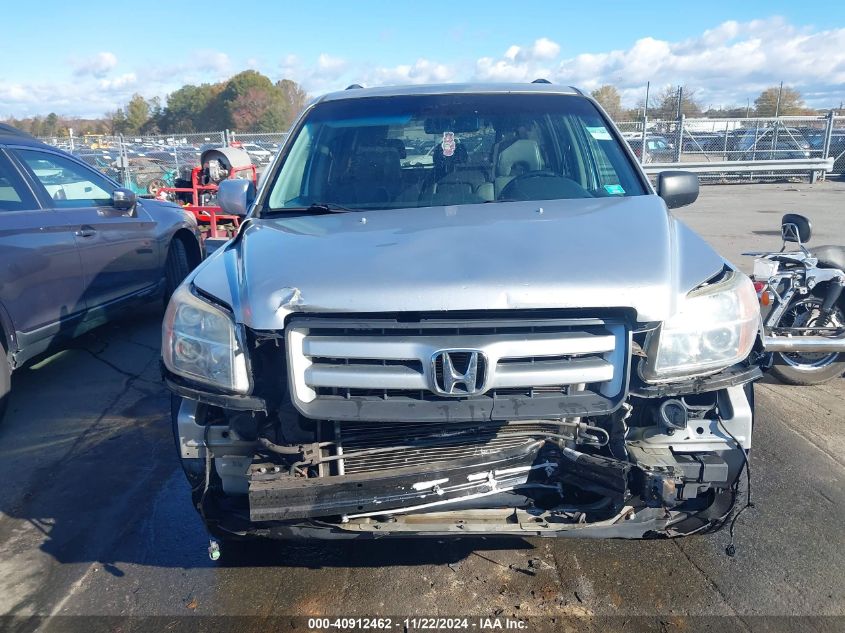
[327, 207]
[314, 207]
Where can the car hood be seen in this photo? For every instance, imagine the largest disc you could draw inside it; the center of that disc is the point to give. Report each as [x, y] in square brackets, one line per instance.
[594, 253]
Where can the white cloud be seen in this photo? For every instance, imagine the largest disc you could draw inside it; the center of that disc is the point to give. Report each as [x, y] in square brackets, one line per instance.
[330, 65]
[541, 49]
[212, 61]
[422, 71]
[117, 83]
[97, 66]
[726, 64]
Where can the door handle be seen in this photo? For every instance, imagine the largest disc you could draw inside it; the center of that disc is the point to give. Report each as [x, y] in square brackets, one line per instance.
[86, 231]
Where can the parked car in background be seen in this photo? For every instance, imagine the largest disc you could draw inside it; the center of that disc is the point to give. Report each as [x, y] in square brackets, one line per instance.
[658, 149]
[816, 137]
[698, 142]
[257, 153]
[770, 143]
[76, 249]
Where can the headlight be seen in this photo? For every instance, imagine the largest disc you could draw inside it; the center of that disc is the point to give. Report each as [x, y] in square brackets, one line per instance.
[715, 327]
[200, 342]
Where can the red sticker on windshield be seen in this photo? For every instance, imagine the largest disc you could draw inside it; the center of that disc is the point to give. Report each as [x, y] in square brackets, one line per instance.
[448, 143]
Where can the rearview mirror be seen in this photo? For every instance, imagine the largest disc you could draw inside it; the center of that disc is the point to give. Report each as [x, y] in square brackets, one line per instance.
[235, 196]
[123, 199]
[795, 228]
[677, 188]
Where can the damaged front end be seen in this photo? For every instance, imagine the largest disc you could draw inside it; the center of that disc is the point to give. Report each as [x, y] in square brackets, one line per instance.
[338, 441]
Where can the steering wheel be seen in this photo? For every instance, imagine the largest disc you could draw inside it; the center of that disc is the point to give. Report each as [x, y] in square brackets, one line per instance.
[542, 184]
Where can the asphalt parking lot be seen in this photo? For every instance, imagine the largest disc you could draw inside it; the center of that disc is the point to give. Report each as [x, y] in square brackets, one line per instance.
[95, 517]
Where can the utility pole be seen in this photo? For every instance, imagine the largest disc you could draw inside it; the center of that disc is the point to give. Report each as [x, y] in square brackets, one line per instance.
[747, 107]
[777, 105]
[645, 124]
[680, 101]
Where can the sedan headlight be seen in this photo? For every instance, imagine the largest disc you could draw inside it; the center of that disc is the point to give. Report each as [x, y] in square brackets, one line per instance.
[715, 328]
[200, 342]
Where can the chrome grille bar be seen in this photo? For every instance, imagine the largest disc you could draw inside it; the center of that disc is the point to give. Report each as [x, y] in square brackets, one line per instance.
[376, 359]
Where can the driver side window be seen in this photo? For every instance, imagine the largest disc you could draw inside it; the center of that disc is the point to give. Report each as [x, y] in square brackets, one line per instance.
[66, 182]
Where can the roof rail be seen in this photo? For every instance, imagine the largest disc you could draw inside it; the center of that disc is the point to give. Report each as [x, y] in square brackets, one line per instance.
[354, 87]
[578, 90]
[540, 80]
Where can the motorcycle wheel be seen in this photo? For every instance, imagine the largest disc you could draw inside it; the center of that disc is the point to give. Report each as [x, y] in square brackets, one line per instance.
[808, 368]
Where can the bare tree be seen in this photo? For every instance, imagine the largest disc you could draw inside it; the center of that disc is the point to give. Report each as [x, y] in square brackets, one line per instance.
[609, 98]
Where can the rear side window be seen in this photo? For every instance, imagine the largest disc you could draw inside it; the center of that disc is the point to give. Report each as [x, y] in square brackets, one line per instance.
[14, 195]
[68, 183]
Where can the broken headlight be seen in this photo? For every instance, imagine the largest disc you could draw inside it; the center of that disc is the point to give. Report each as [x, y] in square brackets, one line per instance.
[715, 327]
[200, 342]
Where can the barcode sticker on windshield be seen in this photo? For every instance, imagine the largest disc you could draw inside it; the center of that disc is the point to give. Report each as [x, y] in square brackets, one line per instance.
[599, 133]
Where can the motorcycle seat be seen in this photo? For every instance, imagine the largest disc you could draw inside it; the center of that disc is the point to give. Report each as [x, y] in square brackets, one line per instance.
[830, 256]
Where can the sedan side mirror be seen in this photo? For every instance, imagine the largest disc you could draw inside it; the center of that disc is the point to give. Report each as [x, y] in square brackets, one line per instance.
[123, 199]
[677, 188]
[235, 196]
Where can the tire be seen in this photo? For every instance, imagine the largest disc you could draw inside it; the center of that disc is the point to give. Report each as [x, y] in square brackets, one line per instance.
[807, 369]
[176, 267]
[792, 375]
[5, 383]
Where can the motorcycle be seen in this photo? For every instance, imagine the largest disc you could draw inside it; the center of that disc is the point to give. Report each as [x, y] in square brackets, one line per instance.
[802, 305]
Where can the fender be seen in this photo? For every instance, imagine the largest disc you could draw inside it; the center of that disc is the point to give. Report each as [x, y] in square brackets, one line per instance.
[10, 341]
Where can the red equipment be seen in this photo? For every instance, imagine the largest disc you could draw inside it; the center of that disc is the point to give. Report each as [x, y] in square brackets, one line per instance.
[217, 165]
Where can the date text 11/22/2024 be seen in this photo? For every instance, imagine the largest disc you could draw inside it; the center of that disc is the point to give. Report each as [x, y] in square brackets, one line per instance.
[418, 624]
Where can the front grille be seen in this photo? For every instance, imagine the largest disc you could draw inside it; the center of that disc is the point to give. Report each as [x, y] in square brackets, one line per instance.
[473, 369]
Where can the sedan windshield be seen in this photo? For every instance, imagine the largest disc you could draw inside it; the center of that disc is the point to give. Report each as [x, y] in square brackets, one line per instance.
[421, 151]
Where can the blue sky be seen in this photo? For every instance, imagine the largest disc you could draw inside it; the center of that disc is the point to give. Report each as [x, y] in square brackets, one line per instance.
[85, 58]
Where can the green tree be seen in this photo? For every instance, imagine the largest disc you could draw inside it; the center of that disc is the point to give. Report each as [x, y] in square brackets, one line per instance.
[193, 109]
[116, 121]
[295, 97]
[137, 114]
[608, 97]
[791, 102]
[51, 124]
[252, 103]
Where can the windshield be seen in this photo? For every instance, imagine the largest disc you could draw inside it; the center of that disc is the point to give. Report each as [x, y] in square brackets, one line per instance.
[419, 151]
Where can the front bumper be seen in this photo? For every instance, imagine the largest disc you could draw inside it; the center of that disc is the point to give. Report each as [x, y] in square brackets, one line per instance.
[673, 484]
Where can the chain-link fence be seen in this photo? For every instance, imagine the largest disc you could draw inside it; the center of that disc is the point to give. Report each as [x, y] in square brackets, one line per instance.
[147, 163]
[739, 141]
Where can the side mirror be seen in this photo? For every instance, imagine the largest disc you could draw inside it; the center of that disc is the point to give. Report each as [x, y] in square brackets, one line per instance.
[235, 196]
[795, 228]
[123, 199]
[677, 188]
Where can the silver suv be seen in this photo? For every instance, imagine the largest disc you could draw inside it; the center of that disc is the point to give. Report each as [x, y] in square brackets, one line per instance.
[514, 337]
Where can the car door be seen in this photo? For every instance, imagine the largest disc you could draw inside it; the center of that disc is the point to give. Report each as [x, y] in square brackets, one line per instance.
[41, 279]
[118, 248]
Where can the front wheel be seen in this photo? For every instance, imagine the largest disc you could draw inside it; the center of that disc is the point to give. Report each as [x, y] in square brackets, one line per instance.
[5, 381]
[808, 368]
[176, 267]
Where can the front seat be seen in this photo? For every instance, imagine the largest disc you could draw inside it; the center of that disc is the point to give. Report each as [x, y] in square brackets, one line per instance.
[520, 157]
[830, 256]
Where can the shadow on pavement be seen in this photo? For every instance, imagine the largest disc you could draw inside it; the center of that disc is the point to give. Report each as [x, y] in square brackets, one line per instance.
[89, 463]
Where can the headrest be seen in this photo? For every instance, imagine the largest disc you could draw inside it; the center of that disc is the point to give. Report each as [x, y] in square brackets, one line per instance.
[523, 151]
